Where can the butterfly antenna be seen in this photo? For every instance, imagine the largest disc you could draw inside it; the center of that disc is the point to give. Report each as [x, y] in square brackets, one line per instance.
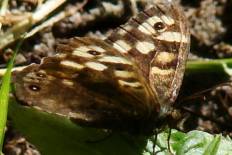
[169, 137]
[200, 94]
[155, 141]
[197, 96]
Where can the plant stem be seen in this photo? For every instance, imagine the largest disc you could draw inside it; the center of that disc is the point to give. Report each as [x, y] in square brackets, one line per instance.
[220, 66]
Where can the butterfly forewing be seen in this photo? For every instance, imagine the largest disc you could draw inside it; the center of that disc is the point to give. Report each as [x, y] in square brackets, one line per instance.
[157, 41]
[125, 82]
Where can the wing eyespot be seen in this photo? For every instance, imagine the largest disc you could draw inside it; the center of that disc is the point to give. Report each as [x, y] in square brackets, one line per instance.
[92, 52]
[34, 87]
[159, 26]
[42, 75]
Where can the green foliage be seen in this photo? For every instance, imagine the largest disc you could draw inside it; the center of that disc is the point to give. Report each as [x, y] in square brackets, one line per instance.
[192, 143]
[53, 134]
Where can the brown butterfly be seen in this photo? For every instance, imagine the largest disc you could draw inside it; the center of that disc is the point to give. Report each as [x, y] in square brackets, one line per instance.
[126, 82]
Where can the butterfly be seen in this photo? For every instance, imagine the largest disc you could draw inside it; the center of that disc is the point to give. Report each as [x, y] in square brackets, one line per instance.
[127, 82]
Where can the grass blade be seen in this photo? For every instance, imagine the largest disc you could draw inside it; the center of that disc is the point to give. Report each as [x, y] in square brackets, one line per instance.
[4, 95]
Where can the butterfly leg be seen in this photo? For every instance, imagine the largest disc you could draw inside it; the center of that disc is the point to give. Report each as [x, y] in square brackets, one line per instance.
[155, 143]
[169, 136]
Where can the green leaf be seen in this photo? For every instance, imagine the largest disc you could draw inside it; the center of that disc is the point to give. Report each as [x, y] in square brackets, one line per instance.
[213, 146]
[53, 134]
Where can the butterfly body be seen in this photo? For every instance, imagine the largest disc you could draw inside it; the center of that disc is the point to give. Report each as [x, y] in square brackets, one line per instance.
[128, 81]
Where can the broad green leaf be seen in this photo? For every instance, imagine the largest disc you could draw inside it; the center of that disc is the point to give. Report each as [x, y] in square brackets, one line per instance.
[53, 134]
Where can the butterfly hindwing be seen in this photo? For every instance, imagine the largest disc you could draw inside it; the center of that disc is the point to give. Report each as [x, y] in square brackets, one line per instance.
[89, 82]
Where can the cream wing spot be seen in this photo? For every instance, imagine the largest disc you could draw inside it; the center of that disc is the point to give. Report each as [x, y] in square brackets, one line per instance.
[124, 30]
[168, 20]
[147, 28]
[71, 64]
[96, 66]
[119, 48]
[124, 74]
[166, 36]
[79, 116]
[122, 46]
[129, 84]
[37, 108]
[95, 11]
[114, 59]
[145, 47]
[144, 30]
[83, 49]
[87, 51]
[163, 19]
[165, 57]
[172, 37]
[128, 27]
[97, 48]
[82, 54]
[67, 82]
[153, 20]
[49, 77]
[155, 70]
[42, 73]
[60, 114]
[60, 55]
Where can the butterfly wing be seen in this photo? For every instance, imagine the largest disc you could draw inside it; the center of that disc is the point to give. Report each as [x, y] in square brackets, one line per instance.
[118, 83]
[90, 82]
[157, 41]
